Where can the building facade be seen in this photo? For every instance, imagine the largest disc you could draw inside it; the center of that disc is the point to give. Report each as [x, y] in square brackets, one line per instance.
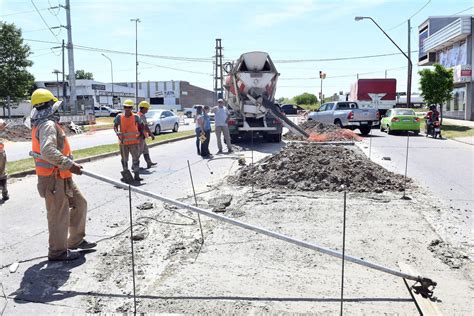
[175, 95]
[447, 40]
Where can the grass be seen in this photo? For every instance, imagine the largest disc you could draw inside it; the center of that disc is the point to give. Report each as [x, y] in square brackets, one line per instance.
[26, 164]
[452, 131]
[105, 120]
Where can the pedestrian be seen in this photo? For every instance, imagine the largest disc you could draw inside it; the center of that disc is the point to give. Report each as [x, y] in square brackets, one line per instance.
[221, 118]
[205, 136]
[129, 128]
[3, 165]
[197, 129]
[144, 106]
[65, 205]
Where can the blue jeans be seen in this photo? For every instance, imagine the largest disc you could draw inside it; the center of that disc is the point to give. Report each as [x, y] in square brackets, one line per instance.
[198, 142]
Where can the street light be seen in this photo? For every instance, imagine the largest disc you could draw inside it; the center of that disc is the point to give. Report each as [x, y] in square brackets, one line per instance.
[57, 72]
[137, 20]
[112, 75]
[410, 65]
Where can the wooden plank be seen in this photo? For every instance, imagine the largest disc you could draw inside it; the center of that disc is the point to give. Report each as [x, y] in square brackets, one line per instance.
[425, 305]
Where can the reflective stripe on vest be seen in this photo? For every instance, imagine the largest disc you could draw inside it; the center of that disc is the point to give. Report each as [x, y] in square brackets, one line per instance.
[144, 127]
[129, 129]
[43, 167]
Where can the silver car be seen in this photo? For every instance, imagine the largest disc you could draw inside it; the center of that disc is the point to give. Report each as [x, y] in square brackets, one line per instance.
[162, 120]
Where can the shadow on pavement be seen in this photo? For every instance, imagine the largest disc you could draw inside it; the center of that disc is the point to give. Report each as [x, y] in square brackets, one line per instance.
[41, 282]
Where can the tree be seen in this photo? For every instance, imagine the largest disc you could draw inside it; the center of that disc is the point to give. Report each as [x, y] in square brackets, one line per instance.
[15, 80]
[81, 74]
[305, 99]
[437, 86]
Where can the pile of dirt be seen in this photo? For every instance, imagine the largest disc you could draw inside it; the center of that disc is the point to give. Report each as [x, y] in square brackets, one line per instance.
[21, 133]
[320, 132]
[448, 255]
[311, 167]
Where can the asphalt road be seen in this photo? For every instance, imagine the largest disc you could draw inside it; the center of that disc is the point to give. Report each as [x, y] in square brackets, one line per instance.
[20, 150]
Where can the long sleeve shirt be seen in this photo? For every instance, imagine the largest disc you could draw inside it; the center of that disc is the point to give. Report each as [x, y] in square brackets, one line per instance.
[51, 141]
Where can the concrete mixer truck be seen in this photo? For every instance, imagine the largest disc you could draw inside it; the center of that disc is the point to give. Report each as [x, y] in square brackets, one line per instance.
[250, 87]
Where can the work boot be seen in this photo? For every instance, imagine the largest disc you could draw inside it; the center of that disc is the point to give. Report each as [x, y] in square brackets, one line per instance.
[5, 195]
[85, 245]
[66, 256]
[137, 177]
[149, 163]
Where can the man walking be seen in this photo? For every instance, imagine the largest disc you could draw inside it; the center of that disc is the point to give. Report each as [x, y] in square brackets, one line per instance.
[3, 165]
[66, 206]
[129, 128]
[144, 106]
[221, 118]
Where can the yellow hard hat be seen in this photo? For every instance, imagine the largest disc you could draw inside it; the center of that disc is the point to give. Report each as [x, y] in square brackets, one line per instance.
[128, 103]
[144, 104]
[41, 96]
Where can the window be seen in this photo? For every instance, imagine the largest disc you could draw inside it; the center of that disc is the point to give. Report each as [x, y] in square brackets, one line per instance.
[389, 112]
[404, 112]
[343, 105]
[322, 108]
[329, 106]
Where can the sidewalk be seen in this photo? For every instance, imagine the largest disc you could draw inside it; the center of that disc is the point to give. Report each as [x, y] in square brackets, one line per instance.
[458, 122]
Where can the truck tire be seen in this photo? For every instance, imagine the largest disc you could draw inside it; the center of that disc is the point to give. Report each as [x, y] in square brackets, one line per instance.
[365, 130]
[338, 123]
[276, 138]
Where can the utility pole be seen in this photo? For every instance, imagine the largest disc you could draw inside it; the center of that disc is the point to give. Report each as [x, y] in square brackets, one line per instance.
[409, 67]
[322, 76]
[112, 75]
[219, 78]
[385, 73]
[70, 60]
[64, 83]
[137, 20]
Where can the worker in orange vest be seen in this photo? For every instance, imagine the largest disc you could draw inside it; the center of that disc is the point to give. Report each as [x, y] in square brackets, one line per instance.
[129, 128]
[144, 106]
[66, 206]
[3, 164]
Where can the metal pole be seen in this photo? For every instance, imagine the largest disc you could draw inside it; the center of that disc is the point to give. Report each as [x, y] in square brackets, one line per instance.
[385, 73]
[64, 82]
[196, 202]
[409, 67]
[112, 76]
[291, 240]
[321, 92]
[343, 250]
[70, 59]
[137, 20]
[406, 165]
[133, 253]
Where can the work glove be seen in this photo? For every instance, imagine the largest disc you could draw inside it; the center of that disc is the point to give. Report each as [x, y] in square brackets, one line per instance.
[76, 168]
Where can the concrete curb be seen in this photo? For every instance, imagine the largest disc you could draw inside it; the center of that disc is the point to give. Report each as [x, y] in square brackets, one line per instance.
[101, 156]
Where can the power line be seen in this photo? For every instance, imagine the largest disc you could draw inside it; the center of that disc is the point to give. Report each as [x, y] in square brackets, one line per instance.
[177, 69]
[347, 75]
[22, 12]
[462, 11]
[44, 21]
[419, 10]
[282, 61]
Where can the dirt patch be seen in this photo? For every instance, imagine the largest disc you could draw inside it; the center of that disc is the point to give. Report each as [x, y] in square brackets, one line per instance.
[310, 167]
[21, 133]
[320, 132]
[447, 254]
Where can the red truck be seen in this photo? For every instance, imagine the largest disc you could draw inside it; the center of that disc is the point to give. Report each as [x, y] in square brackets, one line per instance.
[374, 93]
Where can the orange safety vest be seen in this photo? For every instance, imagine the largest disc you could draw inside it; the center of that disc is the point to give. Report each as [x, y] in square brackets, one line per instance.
[1, 147]
[129, 129]
[145, 132]
[43, 167]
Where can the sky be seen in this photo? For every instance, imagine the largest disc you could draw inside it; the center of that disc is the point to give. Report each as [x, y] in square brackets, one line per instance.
[292, 32]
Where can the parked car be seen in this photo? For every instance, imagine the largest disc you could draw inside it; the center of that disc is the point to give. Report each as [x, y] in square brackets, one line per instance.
[191, 112]
[400, 120]
[162, 120]
[291, 109]
[103, 110]
[346, 115]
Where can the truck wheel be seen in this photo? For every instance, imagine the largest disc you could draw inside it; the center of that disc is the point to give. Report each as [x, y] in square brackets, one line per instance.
[338, 123]
[276, 138]
[189, 114]
[365, 130]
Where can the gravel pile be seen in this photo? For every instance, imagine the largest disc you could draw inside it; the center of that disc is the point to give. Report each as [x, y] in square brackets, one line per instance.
[319, 168]
[320, 132]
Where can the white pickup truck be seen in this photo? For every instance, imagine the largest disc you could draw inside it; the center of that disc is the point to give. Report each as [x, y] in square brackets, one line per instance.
[346, 115]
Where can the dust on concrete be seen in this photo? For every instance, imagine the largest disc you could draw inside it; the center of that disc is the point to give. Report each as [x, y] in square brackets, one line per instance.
[312, 167]
[447, 254]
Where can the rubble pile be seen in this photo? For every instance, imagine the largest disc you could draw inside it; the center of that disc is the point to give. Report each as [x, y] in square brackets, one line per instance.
[21, 133]
[311, 167]
[320, 132]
